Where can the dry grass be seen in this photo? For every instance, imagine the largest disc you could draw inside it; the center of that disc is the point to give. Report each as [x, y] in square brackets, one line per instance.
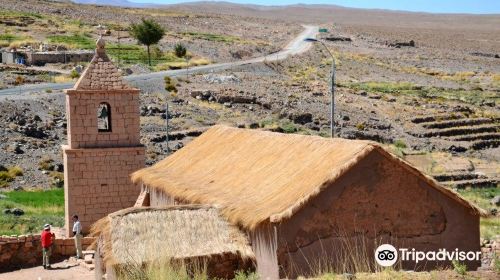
[164, 269]
[148, 234]
[253, 177]
[203, 171]
[63, 79]
[181, 64]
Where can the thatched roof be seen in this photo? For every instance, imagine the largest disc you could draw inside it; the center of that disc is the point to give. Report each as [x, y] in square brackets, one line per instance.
[144, 234]
[255, 176]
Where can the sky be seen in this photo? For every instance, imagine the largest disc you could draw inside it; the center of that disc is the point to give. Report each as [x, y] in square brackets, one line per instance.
[432, 6]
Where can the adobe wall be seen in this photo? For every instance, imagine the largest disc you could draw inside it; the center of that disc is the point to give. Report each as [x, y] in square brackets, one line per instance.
[99, 181]
[57, 57]
[375, 202]
[81, 111]
[26, 251]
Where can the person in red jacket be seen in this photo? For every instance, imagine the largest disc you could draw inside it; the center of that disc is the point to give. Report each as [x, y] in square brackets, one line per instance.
[47, 238]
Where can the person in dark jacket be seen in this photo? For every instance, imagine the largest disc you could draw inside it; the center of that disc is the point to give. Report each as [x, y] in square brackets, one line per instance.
[47, 238]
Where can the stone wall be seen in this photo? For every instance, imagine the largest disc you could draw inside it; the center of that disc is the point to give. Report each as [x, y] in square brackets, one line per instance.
[41, 58]
[26, 250]
[97, 182]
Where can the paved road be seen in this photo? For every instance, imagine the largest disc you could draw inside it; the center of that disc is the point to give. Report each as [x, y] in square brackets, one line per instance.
[296, 46]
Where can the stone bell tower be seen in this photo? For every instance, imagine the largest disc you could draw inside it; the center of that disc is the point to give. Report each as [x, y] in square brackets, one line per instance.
[103, 143]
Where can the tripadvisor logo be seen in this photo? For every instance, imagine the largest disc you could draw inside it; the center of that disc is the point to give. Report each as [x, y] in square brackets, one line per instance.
[387, 255]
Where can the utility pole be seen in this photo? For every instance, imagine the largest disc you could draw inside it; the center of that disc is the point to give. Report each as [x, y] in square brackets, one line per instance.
[166, 120]
[187, 67]
[332, 101]
[332, 86]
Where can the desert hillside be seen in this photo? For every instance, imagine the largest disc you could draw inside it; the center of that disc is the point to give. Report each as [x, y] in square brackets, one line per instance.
[424, 86]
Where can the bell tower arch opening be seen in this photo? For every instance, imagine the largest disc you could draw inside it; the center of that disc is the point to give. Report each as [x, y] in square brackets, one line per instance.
[104, 117]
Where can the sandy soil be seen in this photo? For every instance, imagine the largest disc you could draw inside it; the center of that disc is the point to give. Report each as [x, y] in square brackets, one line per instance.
[60, 271]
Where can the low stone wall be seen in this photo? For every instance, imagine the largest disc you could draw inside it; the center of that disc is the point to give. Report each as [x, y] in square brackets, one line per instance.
[41, 58]
[26, 250]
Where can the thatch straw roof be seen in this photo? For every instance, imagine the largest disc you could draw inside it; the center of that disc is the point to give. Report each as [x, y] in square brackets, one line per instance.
[255, 176]
[144, 234]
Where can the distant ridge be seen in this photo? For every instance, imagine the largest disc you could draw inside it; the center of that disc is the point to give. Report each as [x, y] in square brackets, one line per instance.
[311, 12]
[119, 3]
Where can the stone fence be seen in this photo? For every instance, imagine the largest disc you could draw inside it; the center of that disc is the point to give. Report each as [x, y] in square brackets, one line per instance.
[26, 250]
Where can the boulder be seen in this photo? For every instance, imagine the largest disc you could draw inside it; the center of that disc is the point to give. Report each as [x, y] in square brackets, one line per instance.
[206, 95]
[301, 118]
[32, 130]
[495, 201]
[17, 212]
[15, 148]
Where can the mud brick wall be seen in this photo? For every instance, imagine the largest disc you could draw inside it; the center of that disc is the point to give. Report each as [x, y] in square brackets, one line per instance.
[26, 251]
[82, 106]
[97, 182]
[59, 57]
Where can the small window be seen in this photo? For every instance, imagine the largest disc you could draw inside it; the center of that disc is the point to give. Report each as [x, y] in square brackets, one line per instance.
[104, 117]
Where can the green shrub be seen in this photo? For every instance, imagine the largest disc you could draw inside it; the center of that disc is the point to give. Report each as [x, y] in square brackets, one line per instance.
[289, 128]
[170, 84]
[180, 50]
[5, 176]
[15, 171]
[74, 74]
[242, 275]
[360, 126]
[46, 164]
[459, 268]
[9, 174]
[57, 179]
[400, 144]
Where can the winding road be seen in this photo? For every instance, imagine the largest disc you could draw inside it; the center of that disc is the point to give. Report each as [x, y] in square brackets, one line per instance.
[296, 46]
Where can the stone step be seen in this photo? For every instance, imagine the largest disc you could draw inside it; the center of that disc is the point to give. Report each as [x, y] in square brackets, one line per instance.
[88, 259]
[474, 183]
[88, 252]
[89, 266]
[455, 131]
[474, 137]
[435, 118]
[485, 144]
[458, 176]
[457, 123]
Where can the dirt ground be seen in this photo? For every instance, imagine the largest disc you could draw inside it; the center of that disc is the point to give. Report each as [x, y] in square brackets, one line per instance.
[60, 271]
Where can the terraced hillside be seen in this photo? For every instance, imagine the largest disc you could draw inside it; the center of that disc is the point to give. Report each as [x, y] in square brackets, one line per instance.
[463, 180]
[464, 130]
